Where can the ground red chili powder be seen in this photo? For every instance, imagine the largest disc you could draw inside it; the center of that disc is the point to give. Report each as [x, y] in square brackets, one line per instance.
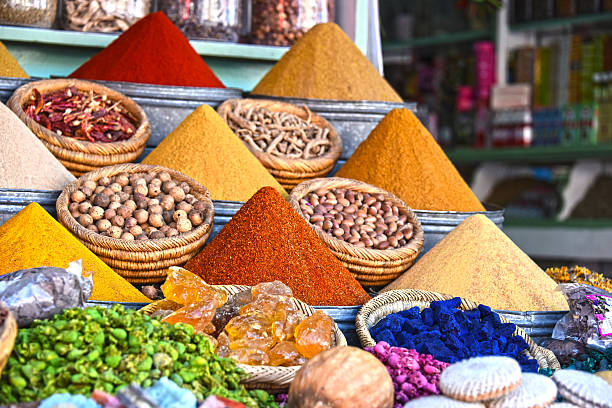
[152, 51]
[267, 240]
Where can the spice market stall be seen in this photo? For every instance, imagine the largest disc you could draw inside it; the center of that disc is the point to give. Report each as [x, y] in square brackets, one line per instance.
[217, 264]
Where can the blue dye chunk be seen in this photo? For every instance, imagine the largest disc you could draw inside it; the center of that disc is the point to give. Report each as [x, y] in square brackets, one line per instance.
[452, 335]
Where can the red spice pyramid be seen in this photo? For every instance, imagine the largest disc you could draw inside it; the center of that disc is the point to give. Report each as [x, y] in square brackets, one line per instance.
[152, 51]
[267, 240]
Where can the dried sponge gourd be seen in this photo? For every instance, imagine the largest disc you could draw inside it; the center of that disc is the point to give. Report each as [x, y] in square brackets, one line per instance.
[9, 67]
[326, 64]
[477, 261]
[402, 157]
[205, 148]
[32, 238]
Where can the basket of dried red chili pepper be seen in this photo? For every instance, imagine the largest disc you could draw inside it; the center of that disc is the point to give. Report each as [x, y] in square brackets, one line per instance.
[85, 125]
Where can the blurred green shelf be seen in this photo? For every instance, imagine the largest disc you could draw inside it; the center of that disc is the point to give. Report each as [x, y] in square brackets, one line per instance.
[575, 223]
[538, 154]
[561, 22]
[439, 39]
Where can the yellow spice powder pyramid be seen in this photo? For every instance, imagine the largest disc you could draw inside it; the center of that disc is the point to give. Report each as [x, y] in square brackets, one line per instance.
[32, 238]
[9, 67]
[477, 261]
[402, 157]
[205, 148]
[325, 64]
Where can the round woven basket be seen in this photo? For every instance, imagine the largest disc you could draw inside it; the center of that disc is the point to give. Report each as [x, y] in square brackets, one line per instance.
[78, 156]
[8, 333]
[289, 172]
[395, 301]
[139, 261]
[274, 379]
[371, 267]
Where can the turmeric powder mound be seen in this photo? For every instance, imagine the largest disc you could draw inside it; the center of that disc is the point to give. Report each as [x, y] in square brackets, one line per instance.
[326, 64]
[402, 157]
[9, 67]
[32, 238]
[477, 261]
[206, 149]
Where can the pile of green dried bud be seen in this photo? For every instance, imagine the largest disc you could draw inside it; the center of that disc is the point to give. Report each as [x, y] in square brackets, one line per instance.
[107, 349]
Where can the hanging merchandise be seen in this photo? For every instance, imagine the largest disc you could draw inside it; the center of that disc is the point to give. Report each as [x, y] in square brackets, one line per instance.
[106, 16]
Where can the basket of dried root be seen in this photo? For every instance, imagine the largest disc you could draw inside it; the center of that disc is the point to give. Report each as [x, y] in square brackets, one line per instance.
[292, 142]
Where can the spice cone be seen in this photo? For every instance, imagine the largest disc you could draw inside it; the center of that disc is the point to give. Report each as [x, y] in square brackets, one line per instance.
[267, 240]
[32, 238]
[477, 261]
[325, 64]
[402, 157]
[205, 148]
[9, 67]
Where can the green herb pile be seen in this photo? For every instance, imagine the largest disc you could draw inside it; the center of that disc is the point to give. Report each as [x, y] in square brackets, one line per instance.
[81, 350]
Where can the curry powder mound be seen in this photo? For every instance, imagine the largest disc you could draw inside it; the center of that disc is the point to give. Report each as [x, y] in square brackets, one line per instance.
[268, 240]
[9, 67]
[32, 238]
[402, 157]
[326, 64]
[478, 262]
[206, 149]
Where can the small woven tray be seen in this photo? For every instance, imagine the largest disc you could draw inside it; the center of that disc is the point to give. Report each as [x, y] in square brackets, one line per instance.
[403, 299]
[139, 261]
[274, 379]
[290, 172]
[371, 267]
[78, 156]
[8, 333]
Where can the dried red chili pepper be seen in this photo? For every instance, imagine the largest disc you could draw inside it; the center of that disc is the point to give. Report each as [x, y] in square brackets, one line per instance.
[81, 115]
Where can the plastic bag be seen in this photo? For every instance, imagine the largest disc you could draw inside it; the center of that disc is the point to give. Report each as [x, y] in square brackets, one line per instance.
[588, 321]
[41, 293]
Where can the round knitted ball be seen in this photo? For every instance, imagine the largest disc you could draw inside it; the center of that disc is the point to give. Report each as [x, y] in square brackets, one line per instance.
[535, 391]
[440, 401]
[481, 378]
[583, 389]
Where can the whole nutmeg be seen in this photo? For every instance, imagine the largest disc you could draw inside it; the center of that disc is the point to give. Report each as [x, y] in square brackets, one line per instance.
[141, 216]
[183, 225]
[128, 190]
[90, 184]
[164, 176]
[199, 205]
[109, 214]
[185, 187]
[156, 220]
[167, 215]
[115, 198]
[167, 186]
[101, 200]
[157, 235]
[73, 207]
[167, 203]
[178, 215]
[142, 204]
[130, 222]
[114, 205]
[149, 229]
[127, 236]
[92, 228]
[123, 179]
[141, 189]
[96, 212]
[172, 232]
[104, 181]
[87, 191]
[155, 209]
[185, 206]
[131, 204]
[164, 228]
[124, 211]
[78, 196]
[108, 191]
[142, 237]
[85, 220]
[84, 207]
[116, 187]
[138, 181]
[103, 225]
[150, 176]
[190, 198]
[123, 196]
[154, 190]
[114, 231]
[195, 217]
[118, 220]
[99, 189]
[177, 193]
[153, 201]
[150, 292]
[75, 214]
[156, 182]
[172, 225]
[136, 230]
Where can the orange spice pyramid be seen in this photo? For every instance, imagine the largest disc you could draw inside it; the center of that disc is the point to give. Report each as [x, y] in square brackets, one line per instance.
[402, 157]
[325, 64]
[478, 262]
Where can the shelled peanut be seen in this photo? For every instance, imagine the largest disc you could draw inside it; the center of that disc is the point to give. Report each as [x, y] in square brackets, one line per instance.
[362, 219]
[137, 206]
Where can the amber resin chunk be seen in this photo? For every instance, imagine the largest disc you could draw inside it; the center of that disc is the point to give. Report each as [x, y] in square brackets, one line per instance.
[184, 287]
[314, 334]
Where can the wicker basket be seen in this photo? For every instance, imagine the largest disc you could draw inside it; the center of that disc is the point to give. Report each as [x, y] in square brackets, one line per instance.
[403, 299]
[139, 261]
[78, 156]
[290, 172]
[371, 267]
[8, 333]
[274, 379]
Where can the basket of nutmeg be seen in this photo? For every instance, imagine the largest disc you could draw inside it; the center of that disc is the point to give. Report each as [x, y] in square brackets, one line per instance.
[372, 232]
[139, 219]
